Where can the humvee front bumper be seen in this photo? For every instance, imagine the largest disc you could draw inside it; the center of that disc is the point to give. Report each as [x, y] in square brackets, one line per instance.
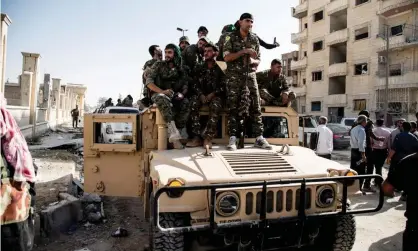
[263, 222]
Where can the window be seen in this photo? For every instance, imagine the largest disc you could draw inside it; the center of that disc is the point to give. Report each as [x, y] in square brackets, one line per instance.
[317, 76]
[274, 127]
[316, 106]
[318, 16]
[358, 2]
[304, 81]
[303, 108]
[396, 30]
[305, 53]
[362, 33]
[359, 104]
[395, 70]
[360, 69]
[317, 46]
[306, 25]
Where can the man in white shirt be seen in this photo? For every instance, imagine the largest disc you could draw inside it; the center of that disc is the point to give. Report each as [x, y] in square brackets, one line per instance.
[325, 145]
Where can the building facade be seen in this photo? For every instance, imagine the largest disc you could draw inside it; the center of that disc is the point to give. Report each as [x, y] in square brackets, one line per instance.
[343, 58]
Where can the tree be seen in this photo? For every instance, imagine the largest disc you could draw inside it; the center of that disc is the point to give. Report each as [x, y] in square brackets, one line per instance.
[101, 101]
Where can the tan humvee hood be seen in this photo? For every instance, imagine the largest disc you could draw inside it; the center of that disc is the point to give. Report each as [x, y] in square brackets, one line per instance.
[248, 164]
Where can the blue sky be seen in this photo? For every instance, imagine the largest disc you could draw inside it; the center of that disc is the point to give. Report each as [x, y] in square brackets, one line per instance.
[103, 44]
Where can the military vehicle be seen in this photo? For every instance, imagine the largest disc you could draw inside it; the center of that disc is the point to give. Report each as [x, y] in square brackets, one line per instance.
[250, 198]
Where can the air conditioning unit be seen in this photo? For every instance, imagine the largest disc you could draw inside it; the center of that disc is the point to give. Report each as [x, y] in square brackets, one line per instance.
[382, 59]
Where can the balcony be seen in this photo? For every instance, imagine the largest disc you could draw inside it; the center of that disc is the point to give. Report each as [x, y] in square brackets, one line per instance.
[339, 69]
[393, 7]
[337, 37]
[299, 65]
[292, 80]
[407, 79]
[398, 42]
[297, 38]
[301, 10]
[299, 90]
[336, 99]
[336, 5]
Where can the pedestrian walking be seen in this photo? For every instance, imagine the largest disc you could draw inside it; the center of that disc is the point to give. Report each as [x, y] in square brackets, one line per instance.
[358, 147]
[325, 145]
[380, 148]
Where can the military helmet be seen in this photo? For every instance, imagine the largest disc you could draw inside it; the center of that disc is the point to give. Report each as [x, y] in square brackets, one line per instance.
[185, 39]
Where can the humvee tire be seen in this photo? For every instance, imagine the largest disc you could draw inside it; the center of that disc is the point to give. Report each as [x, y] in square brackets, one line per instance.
[163, 241]
[344, 234]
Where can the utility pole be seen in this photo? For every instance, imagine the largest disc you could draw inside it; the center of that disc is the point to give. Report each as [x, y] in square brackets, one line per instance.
[387, 76]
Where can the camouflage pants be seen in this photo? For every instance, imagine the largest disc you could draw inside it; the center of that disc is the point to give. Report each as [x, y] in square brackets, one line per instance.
[177, 111]
[215, 107]
[234, 85]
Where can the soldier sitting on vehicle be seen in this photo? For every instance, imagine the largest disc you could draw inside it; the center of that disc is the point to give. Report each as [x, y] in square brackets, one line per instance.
[274, 89]
[183, 43]
[108, 103]
[168, 84]
[157, 55]
[193, 54]
[128, 101]
[208, 81]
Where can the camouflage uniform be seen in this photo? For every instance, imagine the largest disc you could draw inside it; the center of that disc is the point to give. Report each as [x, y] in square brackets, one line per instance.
[146, 68]
[191, 56]
[207, 81]
[236, 76]
[271, 87]
[166, 78]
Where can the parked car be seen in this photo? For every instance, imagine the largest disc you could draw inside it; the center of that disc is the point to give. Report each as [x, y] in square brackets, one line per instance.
[117, 133]
[341, 138]
[307, 126]
[348, 122]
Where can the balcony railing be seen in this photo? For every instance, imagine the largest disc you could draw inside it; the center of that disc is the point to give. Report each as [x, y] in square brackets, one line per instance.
[399, 76]
[339, 69]
[336, 99]
[298, 65]
[398, 42]
[337, 37]
[394, 7]
[299, 90]
[301, 10]
[336, 5]
[297, 38]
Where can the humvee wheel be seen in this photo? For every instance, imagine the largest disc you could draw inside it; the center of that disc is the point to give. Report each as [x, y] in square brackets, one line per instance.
[338, 234]
[162, 241]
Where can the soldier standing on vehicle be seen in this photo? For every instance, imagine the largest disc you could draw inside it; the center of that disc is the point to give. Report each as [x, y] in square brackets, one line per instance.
[167, 82]
[242, 53]
[262, 42]
[157, 55]
[273, 87]
[183, 43]
[208, 90]
[193, 54]
[74, 114]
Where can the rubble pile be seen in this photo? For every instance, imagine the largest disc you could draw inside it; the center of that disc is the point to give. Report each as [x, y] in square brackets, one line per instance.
[92, 206]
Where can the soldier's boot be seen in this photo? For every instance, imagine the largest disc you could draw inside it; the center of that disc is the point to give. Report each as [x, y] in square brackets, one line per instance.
[261, 142]
[207, 142]
[177, 144]
[232, 146]
[173, 133]
[194, 142]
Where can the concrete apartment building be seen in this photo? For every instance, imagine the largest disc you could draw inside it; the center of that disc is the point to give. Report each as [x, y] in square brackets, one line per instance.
[340, 67]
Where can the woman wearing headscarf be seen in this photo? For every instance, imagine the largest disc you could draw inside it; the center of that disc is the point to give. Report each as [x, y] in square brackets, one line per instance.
[17, 185]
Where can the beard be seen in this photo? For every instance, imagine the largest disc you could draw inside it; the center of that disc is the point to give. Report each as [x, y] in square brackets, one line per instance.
[169, 59]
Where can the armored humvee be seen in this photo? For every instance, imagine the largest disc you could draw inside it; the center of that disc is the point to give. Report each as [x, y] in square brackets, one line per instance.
[251, 198]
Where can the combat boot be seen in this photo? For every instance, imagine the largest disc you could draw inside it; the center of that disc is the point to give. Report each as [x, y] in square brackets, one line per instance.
[232, 146]
[173, 133]
[194, 142]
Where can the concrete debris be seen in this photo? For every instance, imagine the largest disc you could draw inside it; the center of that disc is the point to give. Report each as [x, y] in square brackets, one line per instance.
[120, 232]
[90, 208]
[91, 198]
[83, 249]
[94, 217]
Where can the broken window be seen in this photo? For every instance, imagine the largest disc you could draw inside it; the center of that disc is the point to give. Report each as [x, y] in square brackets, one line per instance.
[316, 106]
[317, 46]
[316, 75]
[396, 30]
[359, 104]
[358, 2]
[306, 25]
[360, 69]
[318, 16]
[362, 33]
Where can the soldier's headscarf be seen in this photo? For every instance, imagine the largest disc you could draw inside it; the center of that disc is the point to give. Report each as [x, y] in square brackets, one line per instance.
[228, 28]
[177, 53]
